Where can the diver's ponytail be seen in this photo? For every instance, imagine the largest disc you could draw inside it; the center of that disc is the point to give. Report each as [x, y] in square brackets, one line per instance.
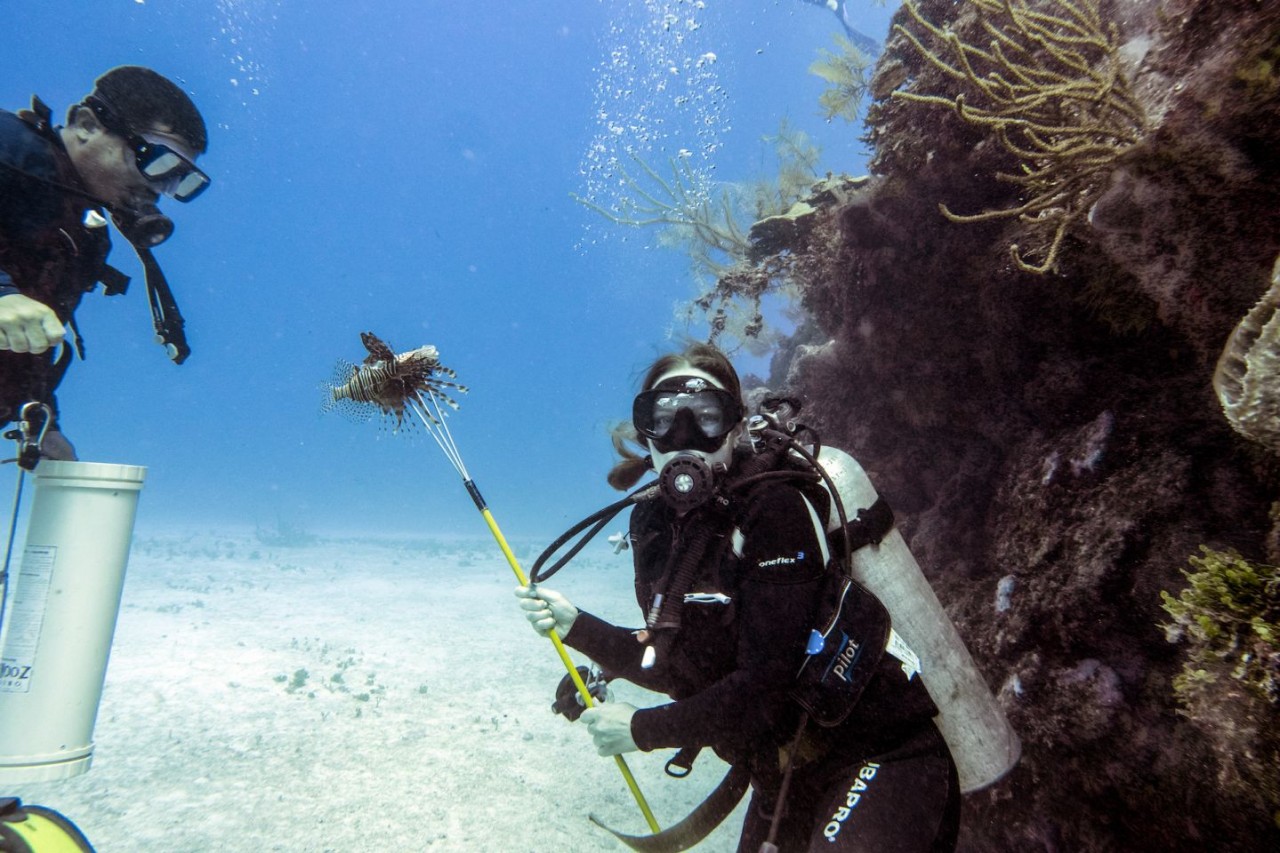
[627, 471]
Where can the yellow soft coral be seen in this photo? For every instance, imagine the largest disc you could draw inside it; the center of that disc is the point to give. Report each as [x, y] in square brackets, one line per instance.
[1050, 89]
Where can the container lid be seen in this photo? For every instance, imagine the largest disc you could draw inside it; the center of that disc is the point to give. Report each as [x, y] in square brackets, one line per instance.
[86, 473]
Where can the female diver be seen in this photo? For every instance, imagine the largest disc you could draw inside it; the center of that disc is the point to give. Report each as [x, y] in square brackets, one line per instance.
[882, 778]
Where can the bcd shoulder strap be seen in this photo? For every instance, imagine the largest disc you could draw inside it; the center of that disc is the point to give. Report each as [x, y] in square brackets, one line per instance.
[869, 527]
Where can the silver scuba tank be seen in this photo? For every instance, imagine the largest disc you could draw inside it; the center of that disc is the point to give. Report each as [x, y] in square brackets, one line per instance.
[982, 742]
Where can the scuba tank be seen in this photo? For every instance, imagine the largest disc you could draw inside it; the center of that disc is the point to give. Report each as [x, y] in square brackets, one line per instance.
[874, 557]
[982, 743]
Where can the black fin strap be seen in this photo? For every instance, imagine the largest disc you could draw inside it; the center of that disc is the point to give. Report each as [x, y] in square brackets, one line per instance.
[700, 822]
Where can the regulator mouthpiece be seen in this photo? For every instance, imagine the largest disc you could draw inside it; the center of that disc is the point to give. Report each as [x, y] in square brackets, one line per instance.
[145, 226]
[686, 482]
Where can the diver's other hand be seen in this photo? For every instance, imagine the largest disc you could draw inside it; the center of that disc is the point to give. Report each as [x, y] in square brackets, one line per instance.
[27, 325]
[610, 727]
[546, 609]
[56, 446]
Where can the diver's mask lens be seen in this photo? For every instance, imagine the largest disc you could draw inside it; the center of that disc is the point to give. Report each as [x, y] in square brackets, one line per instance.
[704, 413]
[712, 411]
[168, 169]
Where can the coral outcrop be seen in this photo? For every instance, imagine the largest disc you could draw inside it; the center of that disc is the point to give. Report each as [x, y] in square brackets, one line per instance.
[1052, 443]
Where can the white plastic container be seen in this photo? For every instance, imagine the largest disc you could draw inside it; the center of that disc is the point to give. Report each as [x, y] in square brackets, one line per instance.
[61, 616]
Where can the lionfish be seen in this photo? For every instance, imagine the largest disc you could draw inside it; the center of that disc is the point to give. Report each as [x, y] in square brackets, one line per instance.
[393, 384]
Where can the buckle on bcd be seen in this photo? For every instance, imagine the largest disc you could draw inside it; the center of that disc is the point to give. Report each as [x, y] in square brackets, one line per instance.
[680, 765]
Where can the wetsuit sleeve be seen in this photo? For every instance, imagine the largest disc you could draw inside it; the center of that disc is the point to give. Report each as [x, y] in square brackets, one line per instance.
[616, 650]
[782, 571]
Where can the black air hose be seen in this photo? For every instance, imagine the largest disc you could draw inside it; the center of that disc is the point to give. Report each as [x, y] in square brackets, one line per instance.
[664, 627]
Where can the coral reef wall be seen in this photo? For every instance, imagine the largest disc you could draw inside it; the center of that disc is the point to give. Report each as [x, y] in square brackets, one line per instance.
[1052, 443]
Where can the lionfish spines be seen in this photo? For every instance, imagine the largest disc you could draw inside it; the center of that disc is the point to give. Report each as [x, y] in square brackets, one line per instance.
[392, 384]
[378, 351]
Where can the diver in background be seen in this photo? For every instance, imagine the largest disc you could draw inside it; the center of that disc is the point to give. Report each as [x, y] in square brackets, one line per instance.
[881, 779]
[862, 42]
[135, 137]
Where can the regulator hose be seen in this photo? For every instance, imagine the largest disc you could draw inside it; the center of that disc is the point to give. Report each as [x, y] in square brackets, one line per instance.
[596, 522]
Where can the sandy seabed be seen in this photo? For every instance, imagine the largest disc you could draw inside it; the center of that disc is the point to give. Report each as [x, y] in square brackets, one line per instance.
[353, 694]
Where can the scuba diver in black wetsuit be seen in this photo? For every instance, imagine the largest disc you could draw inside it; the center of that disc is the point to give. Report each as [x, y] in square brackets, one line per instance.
[135, 137]
[746, 568]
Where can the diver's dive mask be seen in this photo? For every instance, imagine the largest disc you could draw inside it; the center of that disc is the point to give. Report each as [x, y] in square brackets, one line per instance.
[160, 160]
[170, 170]
[167, 168]
[686, 413]
[690, 424]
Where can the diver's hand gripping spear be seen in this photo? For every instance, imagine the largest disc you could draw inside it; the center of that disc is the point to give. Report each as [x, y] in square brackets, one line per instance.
[427, 408]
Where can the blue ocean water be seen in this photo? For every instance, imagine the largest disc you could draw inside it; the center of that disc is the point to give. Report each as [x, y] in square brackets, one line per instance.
[411, 168]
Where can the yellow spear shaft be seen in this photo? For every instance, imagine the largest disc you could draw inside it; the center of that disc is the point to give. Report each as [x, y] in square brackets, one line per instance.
[559, 646]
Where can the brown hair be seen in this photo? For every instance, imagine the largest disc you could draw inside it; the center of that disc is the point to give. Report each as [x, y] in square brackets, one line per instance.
[705, 357]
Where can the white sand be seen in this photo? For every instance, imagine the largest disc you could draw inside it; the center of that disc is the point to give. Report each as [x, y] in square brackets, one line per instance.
[423, 722]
